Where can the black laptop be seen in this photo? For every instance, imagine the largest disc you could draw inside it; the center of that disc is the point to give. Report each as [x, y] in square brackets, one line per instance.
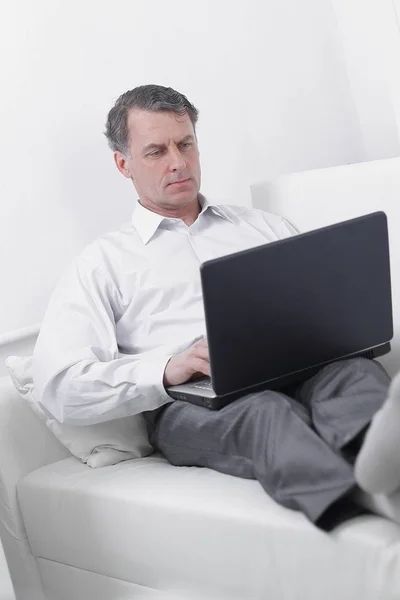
[277, 313]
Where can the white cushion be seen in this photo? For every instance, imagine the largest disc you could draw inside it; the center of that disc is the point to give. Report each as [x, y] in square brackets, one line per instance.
[202, 534]
[97, 445]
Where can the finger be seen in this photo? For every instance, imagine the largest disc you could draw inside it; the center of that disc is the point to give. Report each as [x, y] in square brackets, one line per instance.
[196, 376]
[201, 343]
[201, 366]
[202, 353]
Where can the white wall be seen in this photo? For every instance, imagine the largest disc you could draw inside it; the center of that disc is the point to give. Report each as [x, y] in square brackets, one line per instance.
[370, 40]
[393, 58]
[269, 79]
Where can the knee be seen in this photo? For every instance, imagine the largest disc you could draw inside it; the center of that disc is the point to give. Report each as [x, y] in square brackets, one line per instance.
[359, 367]
[363, 365]
[268, 401]
[356, 364]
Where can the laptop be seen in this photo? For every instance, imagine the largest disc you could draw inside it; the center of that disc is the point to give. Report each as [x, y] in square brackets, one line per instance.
[275, 314]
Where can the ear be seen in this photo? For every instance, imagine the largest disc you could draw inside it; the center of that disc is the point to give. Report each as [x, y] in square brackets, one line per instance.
[122, 164]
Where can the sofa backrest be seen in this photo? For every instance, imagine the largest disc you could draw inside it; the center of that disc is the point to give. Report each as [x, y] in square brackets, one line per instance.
[312, 199]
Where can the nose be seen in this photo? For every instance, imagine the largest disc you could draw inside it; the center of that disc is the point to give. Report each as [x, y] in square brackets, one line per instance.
[177, 161]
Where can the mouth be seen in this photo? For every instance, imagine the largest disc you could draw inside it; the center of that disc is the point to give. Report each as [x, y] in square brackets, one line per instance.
[179, 182]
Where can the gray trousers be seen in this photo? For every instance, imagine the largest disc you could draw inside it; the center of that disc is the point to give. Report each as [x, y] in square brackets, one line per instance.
[299, 443]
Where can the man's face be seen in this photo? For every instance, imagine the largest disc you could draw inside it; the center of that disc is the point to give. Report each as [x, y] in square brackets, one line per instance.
[163, 159]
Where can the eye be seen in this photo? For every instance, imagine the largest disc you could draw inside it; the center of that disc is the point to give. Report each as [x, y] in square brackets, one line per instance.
[155, 153]
[186, 145]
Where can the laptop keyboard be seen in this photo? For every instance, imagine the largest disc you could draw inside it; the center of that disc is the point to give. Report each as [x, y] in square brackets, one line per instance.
[205, 384]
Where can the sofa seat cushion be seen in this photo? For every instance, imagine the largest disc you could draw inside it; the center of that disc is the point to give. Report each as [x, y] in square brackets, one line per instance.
[201, 534]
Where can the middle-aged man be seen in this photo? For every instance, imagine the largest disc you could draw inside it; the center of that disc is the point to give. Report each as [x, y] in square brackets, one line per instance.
[126, 320]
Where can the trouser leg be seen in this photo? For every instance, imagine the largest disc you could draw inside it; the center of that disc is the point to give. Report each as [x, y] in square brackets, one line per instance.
[342, 398]
[265, 436]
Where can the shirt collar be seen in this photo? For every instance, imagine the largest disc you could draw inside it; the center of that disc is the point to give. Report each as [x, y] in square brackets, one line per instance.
[215, 208]
[146, 222]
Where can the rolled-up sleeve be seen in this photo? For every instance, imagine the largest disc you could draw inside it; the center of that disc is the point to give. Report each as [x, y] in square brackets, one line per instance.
[80, 376]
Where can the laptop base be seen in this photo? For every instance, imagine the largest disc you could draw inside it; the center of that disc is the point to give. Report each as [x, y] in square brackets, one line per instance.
[189, 393]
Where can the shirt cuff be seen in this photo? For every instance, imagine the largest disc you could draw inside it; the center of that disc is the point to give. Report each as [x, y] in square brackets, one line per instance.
[149, 380]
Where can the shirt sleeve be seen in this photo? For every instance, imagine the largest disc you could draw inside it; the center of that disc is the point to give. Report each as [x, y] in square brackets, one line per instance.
[80, 376]
[287, 229]
[270, 222]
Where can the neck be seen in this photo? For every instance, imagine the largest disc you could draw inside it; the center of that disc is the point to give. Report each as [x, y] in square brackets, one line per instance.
[188, 213]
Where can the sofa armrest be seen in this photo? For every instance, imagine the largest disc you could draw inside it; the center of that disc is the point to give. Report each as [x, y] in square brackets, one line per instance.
[25, 445]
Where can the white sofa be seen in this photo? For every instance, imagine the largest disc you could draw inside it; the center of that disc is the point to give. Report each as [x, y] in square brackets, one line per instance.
[144, 529]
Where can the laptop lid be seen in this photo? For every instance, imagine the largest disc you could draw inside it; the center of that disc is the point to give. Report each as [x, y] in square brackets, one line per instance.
[300, 302]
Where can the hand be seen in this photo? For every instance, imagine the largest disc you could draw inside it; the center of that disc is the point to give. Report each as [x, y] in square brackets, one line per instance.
[193, 361]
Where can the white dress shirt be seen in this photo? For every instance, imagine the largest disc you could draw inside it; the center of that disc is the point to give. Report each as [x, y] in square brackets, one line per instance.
[129, 302]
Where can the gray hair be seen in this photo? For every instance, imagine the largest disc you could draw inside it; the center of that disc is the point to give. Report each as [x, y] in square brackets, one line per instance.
[156, 98]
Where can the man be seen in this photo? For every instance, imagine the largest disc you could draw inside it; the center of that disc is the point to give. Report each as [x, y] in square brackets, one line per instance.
[127, 320]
